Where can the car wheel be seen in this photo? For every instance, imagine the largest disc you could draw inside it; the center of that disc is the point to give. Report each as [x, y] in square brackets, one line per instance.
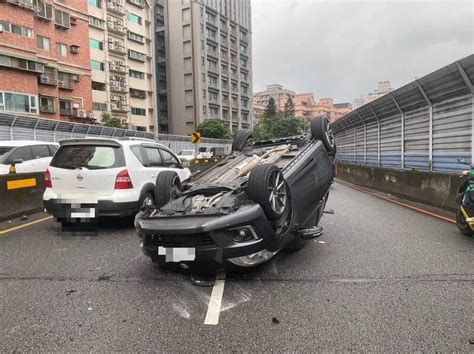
[462, 224]
[321, 130]
[167, 186]
[242, 139]
[267, 187]
[147, 201]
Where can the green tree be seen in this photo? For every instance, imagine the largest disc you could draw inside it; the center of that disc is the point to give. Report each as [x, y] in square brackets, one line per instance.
[214, 128]
[271, 109]
[110, 120]
[289, 110]
[278, 127]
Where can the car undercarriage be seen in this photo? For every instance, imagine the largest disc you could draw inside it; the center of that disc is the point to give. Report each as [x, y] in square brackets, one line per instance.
[262, 198]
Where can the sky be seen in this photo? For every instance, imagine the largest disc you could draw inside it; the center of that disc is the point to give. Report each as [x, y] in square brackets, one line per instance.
[341, 49]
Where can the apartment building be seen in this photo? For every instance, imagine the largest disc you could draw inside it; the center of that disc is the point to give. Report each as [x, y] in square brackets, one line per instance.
[277, 92]
[383, 87]
[44, 59]
[120, 41]
[204, 63]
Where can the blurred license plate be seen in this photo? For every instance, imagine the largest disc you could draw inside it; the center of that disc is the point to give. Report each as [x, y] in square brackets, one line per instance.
[177, 254]
[83, 213]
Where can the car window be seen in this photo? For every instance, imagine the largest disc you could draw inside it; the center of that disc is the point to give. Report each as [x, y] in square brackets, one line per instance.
[4, 150]
[40, 151]
[202, 149]
[21, 153]
[52, 149]
[139, 153]
[154, 157]
[88, 156]
[168, 159]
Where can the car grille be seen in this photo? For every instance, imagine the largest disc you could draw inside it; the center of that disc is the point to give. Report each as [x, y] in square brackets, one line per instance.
[194, 240]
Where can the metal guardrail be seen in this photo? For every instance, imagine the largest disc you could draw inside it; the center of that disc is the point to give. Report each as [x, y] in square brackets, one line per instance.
[424, 125]
[19, 127]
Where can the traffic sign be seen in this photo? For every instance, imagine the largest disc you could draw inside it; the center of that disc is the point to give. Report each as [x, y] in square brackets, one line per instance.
[196, 138]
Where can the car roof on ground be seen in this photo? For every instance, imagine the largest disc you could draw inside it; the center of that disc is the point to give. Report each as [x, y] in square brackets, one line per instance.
[16, 143]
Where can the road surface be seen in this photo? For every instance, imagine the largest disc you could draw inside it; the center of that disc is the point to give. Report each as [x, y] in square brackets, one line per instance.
[382, 278]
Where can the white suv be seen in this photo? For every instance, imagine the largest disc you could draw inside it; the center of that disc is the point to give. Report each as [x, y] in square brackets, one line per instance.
[88, 178]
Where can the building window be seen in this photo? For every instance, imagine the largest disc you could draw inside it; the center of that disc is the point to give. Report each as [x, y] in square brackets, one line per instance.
[213, 112]
[137, 93]
[134, 18]
[95, 3]
[43, 42]
[62, 18]
[96, 22]
[243, 49]
[61, 49]
[94, 43]
[47, 105]
[65, 108]
[99, 106]
[16, 29]
[137, 74]
[138, 111]
[97, 65]
[135, 37]
[132, 54]
[98, 86]
[15, 102]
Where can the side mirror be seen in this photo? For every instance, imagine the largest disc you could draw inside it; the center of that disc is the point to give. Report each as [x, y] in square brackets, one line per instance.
[185, 164]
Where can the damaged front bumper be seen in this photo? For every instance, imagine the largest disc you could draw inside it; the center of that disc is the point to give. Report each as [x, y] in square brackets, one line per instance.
[244, 237]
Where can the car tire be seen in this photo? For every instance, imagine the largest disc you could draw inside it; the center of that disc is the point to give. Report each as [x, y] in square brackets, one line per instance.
[462, 224]
[166, 187]
[242, 139]
[265, 181]
[321, 130]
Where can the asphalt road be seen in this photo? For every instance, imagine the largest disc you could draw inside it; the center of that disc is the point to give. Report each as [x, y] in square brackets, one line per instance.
[382, 278]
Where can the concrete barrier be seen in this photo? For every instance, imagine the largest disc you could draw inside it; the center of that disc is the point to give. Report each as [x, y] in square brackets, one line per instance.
[20, 194]
[432, 188]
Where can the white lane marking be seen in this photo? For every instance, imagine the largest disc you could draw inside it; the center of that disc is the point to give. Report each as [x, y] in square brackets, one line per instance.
[214, 308]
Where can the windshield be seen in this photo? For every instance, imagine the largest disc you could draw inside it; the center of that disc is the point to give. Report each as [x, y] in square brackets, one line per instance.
[5, 149]
[186, 152]
[88, 156]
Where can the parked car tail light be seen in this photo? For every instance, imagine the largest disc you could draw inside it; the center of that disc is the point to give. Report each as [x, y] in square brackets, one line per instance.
[123, 181]
[47, 179]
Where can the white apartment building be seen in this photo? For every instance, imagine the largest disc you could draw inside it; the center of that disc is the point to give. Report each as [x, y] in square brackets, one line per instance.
[122, 64]
[204, 63]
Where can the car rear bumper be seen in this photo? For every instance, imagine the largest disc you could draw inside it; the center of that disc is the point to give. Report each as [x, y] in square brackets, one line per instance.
[210, 236]
[62, 210]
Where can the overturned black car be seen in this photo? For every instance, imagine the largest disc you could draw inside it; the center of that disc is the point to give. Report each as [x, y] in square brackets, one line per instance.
[262, 198]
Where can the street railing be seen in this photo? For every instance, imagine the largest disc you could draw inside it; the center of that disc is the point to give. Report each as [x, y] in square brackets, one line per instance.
[425, 125]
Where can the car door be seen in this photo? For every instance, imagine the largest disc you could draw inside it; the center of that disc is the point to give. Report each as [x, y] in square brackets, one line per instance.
[153, 161]
[23, 160]
[41, 157]
[172, 163]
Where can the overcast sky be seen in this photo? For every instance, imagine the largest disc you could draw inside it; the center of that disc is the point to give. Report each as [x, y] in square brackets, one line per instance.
[341, 49]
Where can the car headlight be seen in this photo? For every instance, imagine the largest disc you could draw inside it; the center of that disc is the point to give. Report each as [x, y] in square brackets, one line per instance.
[243, 233]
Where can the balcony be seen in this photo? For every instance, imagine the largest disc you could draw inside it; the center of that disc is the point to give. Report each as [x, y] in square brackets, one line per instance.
[65, 82]
[26, 4]
[117, 48]
[66, 112]
[114, 107]
[116, 8]
[47, 109]
[116, 27]
[117, 67]
[139, 3]
[118, 88]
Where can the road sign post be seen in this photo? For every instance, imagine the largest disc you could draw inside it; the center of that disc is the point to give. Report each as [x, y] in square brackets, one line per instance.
[196, 140]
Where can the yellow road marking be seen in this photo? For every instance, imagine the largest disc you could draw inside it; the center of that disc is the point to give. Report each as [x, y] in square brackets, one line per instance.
[21, 183]
[3, 232]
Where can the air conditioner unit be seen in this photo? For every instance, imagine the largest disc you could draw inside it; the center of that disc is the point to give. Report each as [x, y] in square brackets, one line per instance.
[81, 113]
[60, 83]
[76, 105]
[74, 49]
[90, 115]
[120, 28]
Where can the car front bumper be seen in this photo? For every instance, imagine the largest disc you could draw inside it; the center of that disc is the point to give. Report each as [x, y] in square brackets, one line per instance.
[210, 236]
